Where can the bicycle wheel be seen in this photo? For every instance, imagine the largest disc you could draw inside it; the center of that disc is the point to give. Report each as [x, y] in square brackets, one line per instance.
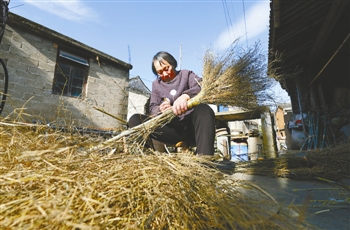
[3, 71]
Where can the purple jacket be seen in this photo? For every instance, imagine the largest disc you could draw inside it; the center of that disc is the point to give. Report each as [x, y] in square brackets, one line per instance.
[185, 82]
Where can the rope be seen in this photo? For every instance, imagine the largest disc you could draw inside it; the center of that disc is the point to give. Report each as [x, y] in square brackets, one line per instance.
[330, 59]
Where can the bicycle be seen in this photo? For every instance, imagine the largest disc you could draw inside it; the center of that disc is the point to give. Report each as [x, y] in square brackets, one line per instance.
[3, 19]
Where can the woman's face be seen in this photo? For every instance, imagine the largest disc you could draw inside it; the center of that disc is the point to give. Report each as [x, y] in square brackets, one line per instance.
[164, 70]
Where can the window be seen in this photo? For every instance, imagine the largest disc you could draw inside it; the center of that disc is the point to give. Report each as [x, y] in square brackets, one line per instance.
[70, 75]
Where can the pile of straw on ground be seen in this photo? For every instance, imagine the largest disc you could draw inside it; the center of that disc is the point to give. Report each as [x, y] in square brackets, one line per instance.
[43, 188]
[331, 163]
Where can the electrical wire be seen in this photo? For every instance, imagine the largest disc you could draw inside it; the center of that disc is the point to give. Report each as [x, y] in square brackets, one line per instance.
[227, 18]
[4, 14]
[245, 24]
[6, 82]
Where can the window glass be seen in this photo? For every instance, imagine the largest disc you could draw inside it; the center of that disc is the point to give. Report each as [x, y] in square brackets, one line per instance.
[76, 91]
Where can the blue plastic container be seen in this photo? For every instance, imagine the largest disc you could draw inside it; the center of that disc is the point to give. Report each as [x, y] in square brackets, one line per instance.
[239, 152]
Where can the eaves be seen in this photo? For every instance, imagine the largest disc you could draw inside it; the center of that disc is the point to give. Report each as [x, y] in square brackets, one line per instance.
[28, 25]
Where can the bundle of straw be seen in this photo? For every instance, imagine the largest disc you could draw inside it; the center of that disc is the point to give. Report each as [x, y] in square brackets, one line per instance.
[237, 78]
[332, 163]
[44, 189]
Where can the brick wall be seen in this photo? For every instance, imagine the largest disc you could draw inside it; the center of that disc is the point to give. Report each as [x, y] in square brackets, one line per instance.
[31, 61]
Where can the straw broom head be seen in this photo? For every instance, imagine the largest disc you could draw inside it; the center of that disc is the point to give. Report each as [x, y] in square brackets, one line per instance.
[236, 78]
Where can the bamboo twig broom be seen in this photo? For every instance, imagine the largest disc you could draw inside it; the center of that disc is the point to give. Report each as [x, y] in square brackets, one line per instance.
[236, 78]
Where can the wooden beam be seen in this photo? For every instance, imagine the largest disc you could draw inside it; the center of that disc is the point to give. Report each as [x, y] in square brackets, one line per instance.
[240, 115]
[328, 24]
[276, 13]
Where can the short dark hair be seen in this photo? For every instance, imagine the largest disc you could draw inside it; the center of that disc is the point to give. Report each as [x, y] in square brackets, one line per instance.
[162, 55]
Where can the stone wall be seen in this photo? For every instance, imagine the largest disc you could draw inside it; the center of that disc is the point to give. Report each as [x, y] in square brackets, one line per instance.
[31, 61]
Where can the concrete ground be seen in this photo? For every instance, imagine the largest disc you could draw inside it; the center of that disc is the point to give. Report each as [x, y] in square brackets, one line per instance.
[324, 205]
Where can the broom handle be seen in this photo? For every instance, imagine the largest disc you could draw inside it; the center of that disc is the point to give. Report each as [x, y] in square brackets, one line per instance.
[109, 114]
[195, 100]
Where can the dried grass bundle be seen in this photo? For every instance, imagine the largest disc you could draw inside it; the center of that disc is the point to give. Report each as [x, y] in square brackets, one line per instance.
[70, 189]
[236, 78]
[332, 163]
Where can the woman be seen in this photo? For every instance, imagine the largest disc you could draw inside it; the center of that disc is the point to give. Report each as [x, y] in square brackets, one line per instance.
[171, 90]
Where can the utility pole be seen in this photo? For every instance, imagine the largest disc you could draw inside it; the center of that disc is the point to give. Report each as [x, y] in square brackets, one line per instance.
[180, 56]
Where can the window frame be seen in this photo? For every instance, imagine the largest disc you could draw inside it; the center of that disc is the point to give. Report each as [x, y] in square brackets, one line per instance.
[75, 62]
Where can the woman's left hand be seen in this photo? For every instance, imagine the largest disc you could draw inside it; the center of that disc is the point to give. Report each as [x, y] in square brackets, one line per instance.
[180, 104]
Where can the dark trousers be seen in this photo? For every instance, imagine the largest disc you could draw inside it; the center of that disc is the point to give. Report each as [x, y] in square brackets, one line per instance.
[198, 128]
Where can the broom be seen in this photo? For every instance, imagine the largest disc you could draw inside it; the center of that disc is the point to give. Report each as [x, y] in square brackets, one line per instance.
[236, 78]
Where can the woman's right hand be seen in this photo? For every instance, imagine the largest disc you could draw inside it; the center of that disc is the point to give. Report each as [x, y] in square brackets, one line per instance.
[164, 106]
